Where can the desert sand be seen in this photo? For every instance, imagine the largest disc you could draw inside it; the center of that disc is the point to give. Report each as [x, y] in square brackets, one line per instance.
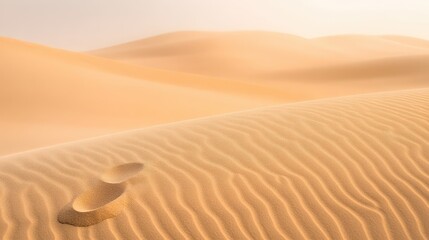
[216, 135]
[302, 68]
[51, 96]
[263, 56]
[344, 168]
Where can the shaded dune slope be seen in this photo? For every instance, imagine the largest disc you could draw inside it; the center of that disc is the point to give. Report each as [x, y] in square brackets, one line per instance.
[344, 168]
[104, 200]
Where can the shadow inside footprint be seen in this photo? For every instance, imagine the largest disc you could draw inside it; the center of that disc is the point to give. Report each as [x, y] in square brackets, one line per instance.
[94, 205]
[103, 201]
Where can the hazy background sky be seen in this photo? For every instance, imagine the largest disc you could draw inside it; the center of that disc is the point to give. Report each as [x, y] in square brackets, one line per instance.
[89, 24]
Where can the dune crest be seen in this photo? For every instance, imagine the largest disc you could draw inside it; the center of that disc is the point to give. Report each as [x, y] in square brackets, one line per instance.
[297, 67]
[253, 55]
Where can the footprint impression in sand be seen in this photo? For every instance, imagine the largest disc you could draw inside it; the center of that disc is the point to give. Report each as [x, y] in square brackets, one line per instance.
[104, 200]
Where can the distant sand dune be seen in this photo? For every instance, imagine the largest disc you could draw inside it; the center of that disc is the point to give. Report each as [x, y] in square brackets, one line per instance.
[300, 68]
[343, 168]
[247, 55]
[396, 71]
[49, 96]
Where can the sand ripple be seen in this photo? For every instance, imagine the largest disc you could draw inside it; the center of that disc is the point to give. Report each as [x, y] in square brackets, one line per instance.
[345, 168]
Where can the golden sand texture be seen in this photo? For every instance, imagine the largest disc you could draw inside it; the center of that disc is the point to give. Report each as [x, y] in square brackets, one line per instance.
[343, 168]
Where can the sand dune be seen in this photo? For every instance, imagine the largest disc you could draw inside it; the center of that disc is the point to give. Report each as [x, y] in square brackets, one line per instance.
[391, 73]
[50, 96]
[344, 168]
[63, 96]
[300, 68]
[412, 67]
[250, 55]
[369, 47]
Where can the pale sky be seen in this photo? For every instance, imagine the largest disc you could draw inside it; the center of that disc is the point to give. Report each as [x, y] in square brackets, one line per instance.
[90, 24]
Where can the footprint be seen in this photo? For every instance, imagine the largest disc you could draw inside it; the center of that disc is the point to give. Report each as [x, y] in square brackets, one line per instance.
[94, 205]
[122, 172]
[103, 201]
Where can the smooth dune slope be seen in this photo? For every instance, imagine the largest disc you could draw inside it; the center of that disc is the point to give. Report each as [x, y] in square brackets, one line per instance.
[302, 68]
[385, 74]
[49, 96]
[251, 55]
[344, 168]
